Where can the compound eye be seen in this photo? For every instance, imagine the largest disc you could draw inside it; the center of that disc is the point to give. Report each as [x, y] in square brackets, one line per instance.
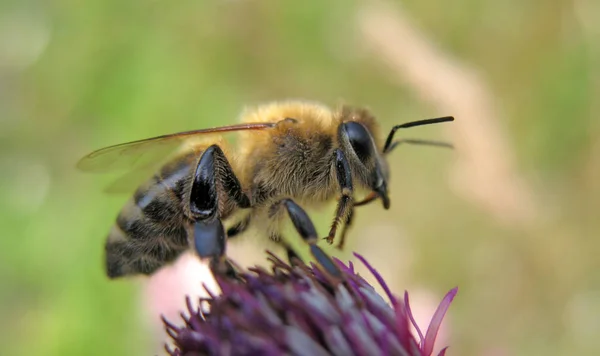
[360, 139]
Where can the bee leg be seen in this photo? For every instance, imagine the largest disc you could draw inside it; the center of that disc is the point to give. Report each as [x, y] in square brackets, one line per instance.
[292, 255]
[239, 227]
[208, 231]
[344, 233]
[214, 165]
[209, 243]
[306, 229]
[350, 218]
[345, 204]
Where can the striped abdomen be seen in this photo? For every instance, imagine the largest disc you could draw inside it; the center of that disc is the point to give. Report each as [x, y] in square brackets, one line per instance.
[150, 230]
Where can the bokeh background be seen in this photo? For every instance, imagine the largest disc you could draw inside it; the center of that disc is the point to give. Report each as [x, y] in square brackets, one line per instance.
[509, 216]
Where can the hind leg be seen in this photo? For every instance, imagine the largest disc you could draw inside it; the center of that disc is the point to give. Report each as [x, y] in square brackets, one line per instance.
[214, 180]
[210, 243]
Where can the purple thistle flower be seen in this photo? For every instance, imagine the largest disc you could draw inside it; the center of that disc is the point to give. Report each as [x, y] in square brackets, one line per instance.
[303, 310]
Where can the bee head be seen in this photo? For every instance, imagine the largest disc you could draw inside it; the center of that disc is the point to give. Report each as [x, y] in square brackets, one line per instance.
[366, 161]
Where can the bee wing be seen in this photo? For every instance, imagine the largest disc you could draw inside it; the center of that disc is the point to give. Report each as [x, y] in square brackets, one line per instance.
[131, 179]
[128, 182]
[144, 154]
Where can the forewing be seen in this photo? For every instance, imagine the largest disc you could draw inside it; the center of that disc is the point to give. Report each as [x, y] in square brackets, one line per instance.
[131, 179]
[146, 153]
[128, 182]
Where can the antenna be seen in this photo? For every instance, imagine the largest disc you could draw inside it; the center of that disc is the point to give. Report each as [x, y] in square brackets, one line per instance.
[388, 142]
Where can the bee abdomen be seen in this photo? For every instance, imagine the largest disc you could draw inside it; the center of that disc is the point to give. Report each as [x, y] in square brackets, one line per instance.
[158, 200]
[149, 232]
[126, 256]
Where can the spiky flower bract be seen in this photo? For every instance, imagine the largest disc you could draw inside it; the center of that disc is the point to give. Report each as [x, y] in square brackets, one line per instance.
[303, 310]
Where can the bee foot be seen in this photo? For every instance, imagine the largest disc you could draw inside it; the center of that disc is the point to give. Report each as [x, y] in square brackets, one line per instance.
[329, 239]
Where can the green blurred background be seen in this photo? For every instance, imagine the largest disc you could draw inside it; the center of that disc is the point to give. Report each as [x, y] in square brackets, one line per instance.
[509, 216]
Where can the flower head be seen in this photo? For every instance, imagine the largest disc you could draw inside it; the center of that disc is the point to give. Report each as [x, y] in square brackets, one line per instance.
[303, 310]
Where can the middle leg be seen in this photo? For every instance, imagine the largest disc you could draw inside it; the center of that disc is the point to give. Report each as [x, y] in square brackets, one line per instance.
[303, 224]
[239, 227]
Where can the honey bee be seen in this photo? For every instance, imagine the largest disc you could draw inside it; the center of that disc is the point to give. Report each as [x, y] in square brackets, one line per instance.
[289, 156]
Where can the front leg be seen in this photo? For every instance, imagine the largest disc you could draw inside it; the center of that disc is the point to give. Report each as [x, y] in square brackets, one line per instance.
[366, 201]
[345, 205]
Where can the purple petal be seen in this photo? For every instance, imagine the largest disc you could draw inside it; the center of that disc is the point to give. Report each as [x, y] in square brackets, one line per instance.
[336, 341]
[394, 347]
[378, 306]
[189, 339]
[405, 336]
[362, 341]
[412, 319]
[443, 351]
[436, 321]
[300, 309]
[379, 279]
[301, 344]
[320, 303]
